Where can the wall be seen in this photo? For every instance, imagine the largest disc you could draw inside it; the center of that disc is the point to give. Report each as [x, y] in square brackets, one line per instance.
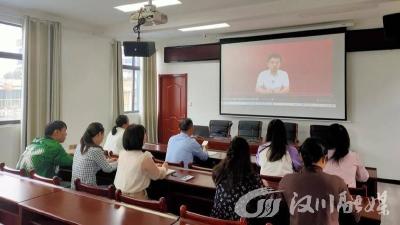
[10, 139]
[86, 82]
[372, 78]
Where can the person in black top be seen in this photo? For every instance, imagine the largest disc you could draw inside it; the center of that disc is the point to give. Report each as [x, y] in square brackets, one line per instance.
[233, 178]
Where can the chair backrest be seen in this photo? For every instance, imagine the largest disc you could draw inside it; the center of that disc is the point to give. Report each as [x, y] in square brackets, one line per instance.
[7, 169]
[362, 191]
[291, 133]
[55, 180]
[202, 131]
[220, 128]
[271, 181]
[319, 131]
[250, 129]
[104, 192]
[180, 164]
[194, 167]
[160, 205]
[187, 217]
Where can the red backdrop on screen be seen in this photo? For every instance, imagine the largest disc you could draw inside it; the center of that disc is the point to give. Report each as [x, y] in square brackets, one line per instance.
[309, 65]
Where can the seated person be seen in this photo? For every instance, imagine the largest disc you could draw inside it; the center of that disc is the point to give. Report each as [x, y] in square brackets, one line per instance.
[342, 162]
[276, 157]
[45, 154]
[136, 167]
[233, 178]
[89, 156]
[312, 183]
[182, 147]
[114, 138]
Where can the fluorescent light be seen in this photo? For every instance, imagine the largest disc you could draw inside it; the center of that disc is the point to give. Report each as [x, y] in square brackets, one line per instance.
[137, 6]
[206, 27]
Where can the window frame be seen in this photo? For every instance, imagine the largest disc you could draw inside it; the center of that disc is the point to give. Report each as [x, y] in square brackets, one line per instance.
[15, 56]
[133, 68]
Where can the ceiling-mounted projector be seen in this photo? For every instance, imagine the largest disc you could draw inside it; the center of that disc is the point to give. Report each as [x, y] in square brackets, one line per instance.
[150, 15]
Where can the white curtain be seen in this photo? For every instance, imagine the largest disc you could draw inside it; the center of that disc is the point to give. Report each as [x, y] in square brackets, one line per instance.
[117, 81]
[42, 76]
[149, 114]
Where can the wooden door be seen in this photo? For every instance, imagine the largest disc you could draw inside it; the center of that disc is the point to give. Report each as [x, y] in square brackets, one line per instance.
[173, 104]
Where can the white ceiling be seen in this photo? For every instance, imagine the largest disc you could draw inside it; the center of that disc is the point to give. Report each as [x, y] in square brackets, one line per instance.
[240, 14]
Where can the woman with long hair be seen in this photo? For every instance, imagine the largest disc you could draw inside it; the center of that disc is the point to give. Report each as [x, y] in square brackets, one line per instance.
[233, 178]
[114, 138]
[89, 156]
[276, 157]
[341, 161]
[136, 167]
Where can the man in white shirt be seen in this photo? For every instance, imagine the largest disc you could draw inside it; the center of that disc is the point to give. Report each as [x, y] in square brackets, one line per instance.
[273, 80]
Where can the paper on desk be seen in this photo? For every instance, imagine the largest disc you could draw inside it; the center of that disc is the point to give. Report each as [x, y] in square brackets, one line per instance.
[169, 172]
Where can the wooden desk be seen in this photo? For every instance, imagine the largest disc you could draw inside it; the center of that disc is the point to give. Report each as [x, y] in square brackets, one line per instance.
[15, 189]
[67, 207]
[223, 144]
[198, 194]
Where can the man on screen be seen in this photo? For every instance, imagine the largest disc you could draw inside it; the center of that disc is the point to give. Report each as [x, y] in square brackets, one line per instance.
[273, 80]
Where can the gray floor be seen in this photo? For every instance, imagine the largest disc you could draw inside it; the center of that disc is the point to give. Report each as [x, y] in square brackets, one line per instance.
[393, 202]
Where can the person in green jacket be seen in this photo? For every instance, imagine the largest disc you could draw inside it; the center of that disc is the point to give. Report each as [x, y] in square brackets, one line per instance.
[45, 154]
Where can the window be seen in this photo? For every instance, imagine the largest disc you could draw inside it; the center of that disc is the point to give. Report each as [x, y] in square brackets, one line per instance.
[131, 83]
[11, 73]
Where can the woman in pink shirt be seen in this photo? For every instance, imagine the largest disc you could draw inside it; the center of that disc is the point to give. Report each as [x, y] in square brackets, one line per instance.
[342, 162]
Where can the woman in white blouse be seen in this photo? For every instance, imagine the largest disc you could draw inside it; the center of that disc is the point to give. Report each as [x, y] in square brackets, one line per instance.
[114, 138]
[135, 167]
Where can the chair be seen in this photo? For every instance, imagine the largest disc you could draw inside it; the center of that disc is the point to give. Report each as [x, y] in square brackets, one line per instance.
[320, 131]
[291, 133]
[104, 192]
[180, 164]
[187, 217]
[220, 128]
[362, 191]
[271, 181]
[55, 180]
[160, 205]
[194, 167]
[250, 129]
[202, 131]
[7, 169]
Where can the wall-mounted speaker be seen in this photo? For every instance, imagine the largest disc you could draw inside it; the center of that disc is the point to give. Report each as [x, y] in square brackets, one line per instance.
[391, 25]
[142, 49]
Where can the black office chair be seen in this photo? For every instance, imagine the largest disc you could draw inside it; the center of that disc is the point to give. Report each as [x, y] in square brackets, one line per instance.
[321, 132]
[220, 128]
[202, 131]
[291, 133]
[250, 130]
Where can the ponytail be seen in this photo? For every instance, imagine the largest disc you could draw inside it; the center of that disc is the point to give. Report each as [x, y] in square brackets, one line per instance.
[119, 122]
[87, 139]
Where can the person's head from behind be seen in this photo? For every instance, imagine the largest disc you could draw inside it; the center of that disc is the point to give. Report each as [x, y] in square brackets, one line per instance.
[274, 62]
[93, 136]
[338, 139]
[313, 153]
[276, 135]
[186, 126]
[134, 137]
[121, 121]
[237, 164]
[56, 130]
